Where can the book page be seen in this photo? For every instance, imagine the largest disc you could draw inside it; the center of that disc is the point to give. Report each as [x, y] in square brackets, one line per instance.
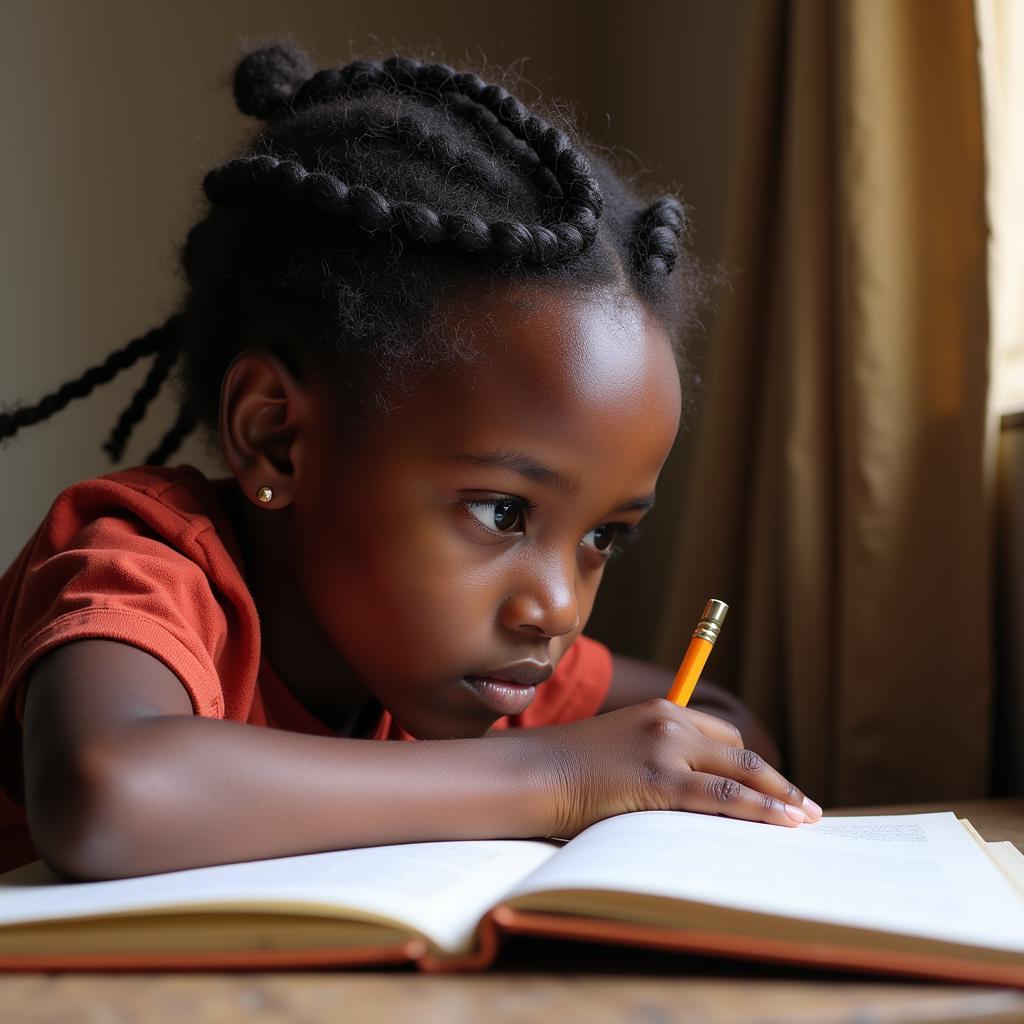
[1010, 861]
[916, 874]
[438, 889]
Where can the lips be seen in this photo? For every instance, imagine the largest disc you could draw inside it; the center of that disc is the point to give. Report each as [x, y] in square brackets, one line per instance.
[522, 673]
[509, 690]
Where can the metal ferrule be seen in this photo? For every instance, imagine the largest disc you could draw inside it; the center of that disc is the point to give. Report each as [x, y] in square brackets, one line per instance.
[710, 624]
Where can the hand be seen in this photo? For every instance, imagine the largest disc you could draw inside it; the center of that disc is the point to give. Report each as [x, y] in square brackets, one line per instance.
[657, 756]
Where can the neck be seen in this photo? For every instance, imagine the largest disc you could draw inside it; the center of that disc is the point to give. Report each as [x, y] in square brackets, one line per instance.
[292, 640]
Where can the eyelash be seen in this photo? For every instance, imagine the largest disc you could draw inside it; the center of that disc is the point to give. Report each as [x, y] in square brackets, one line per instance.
[623, 534]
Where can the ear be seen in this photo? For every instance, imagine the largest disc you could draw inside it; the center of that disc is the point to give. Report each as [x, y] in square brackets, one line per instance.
[262, 410]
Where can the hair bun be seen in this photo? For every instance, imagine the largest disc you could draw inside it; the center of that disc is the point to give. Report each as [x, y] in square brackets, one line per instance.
[267, 79]
[659, 229]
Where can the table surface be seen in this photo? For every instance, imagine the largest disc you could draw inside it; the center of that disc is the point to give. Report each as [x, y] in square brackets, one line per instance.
[593, 983]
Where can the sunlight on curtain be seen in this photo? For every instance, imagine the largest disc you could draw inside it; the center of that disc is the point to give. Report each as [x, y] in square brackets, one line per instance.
[1001, 57]
[1000, 25]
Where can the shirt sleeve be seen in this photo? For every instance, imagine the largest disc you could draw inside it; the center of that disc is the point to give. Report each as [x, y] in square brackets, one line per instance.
[577, 689]
[116, 580]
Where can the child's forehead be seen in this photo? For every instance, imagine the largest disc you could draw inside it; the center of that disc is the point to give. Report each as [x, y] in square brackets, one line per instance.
[561, 376]
[561, 342]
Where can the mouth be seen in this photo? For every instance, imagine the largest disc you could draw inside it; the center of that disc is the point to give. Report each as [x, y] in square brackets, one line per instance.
[509, 690]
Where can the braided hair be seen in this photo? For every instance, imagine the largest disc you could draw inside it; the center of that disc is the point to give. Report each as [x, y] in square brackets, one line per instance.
[375, 196]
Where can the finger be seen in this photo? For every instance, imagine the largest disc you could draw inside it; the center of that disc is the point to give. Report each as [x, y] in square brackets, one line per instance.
[716, 729]
[754, 772]
[716, 794]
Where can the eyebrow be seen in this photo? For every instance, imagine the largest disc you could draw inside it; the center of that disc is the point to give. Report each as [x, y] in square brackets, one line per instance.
[525, 466]
[644, 504]
[521, 464]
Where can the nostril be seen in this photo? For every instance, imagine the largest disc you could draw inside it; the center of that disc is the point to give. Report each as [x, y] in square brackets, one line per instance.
[533, 626]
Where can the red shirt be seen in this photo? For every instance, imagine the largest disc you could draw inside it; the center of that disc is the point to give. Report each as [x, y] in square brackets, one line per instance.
[147, 556]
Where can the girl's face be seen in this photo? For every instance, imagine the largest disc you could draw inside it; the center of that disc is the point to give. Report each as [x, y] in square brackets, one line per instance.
[465, 538]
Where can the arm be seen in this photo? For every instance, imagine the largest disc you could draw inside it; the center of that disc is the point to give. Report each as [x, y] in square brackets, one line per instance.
[633, 682]
[121, 779]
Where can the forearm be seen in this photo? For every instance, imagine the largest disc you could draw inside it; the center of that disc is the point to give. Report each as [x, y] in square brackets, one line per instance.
[172, 792]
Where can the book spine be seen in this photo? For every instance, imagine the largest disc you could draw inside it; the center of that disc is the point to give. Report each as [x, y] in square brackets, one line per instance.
[488, 937]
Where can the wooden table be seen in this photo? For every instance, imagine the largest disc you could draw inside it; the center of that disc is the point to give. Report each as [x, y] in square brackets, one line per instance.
[592, 983]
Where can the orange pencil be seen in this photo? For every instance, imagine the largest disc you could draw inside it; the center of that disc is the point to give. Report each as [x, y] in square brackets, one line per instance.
[704, 637]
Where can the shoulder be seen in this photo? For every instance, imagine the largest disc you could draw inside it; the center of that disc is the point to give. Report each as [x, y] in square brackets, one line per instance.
[145, 556]
[175, 506]
[177, 502]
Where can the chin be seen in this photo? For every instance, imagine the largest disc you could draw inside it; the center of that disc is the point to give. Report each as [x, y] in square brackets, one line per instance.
[446, 730]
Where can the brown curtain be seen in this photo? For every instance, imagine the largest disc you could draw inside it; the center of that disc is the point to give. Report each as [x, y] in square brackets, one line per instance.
[839, 496]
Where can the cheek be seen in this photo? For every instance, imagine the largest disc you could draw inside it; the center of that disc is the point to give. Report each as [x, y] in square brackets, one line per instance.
[392, 586]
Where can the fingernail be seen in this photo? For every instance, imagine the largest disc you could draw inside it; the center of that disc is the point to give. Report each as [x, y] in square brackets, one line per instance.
[795, 813]
[812, 808]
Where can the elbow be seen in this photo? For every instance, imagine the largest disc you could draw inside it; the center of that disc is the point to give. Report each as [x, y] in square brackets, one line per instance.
[80, 815]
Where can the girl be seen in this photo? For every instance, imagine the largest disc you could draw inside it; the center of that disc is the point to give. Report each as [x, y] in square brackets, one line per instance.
[437, 343]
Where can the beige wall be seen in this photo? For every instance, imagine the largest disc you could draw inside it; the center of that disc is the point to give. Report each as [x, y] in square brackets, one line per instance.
[114, 110]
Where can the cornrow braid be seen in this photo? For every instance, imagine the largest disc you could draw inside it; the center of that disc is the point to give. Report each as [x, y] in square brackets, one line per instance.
[536, 243]
[373, 195]
[276, 81]
[373, 212]
[152, 341]
[553, 147]
[114, 445]
[418, 138]
[551, 143]
[494, 132]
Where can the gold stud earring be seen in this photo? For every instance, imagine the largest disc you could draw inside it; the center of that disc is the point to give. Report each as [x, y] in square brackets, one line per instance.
[264, 494]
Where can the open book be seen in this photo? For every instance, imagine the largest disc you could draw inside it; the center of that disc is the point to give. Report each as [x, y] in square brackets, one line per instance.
[917, 894]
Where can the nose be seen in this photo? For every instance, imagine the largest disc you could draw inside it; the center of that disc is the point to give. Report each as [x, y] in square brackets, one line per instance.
[544, 599]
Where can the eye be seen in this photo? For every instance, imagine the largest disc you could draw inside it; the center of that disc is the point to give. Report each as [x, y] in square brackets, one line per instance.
[608, 539]
[602, 537]
[503, 515]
